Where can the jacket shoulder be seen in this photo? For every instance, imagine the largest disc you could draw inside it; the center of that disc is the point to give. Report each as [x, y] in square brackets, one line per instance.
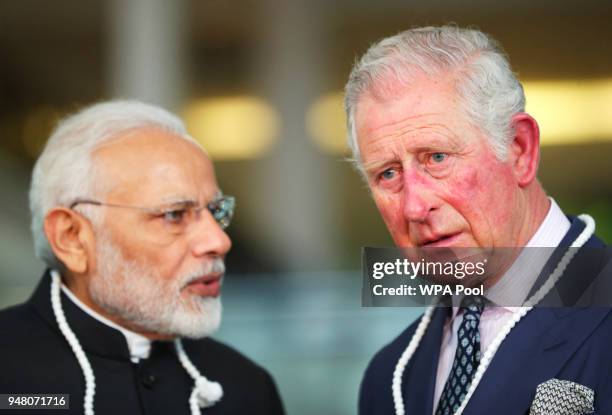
[31, 352]
[21, 324]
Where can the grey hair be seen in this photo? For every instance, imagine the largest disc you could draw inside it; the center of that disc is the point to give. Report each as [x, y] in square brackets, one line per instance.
[488, 89]
[65, 170]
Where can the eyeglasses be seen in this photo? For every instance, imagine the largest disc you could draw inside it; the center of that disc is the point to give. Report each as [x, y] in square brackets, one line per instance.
[176, 217]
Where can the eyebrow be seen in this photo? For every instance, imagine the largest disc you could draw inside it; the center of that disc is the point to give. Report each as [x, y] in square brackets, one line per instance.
[185, 200]
[372, 166]
[435, 141]
[178, 200]
[431, 144]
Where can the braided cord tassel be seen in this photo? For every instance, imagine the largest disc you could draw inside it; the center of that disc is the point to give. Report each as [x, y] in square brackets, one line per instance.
[205, 393]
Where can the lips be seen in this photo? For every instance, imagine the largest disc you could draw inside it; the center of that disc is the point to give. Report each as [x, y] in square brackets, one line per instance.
[206, 286]
[441, 240]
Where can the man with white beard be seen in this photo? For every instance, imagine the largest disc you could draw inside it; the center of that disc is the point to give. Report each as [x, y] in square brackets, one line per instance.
[129, 219]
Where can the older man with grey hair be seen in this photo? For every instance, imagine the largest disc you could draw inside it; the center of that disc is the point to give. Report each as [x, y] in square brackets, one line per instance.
[128, 217]
[438, 129]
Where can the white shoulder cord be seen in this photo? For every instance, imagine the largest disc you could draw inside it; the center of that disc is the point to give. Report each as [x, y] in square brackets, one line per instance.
[405, 358]
[205, 393]
[488, 355]
[90, 379]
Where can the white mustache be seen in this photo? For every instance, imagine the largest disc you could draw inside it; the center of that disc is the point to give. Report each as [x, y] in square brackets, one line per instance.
[214, 266]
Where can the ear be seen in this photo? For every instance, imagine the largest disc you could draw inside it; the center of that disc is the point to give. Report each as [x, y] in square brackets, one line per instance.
[71, 238]
[524, 155]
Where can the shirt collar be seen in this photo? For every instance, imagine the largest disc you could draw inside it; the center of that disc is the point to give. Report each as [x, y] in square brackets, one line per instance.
[514, 286]
[138, 345]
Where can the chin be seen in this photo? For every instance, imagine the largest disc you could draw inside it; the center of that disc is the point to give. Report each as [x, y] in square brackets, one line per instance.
[200, 319]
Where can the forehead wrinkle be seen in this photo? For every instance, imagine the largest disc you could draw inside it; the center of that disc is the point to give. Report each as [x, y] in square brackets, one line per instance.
[434, 135]
[391, 124]
[408, 125]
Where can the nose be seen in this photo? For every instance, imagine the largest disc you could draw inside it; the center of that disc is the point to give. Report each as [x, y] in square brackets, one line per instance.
[208, 239]
[417, 198]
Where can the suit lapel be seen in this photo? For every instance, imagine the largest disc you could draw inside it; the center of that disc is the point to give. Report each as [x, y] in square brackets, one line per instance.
[419, 382]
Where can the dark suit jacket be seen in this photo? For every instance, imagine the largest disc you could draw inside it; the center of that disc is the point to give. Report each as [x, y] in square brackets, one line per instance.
[569, 343]
[35, 358]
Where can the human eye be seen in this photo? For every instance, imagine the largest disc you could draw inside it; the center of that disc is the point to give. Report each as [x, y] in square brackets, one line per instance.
[388, 174]
[387, 178]
[438, 157]
[174, 216]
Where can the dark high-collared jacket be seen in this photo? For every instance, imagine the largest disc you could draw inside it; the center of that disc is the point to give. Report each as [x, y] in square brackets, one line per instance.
[36, 358]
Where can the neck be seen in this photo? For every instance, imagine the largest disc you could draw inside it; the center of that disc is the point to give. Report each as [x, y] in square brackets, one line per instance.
[536, 205]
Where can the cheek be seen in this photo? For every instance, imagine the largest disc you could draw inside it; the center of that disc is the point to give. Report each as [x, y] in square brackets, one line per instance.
[391, 212]
[483, 194]
[164, 261]
[140, 247]
[498, 192]
[167, 261]
[385, 207]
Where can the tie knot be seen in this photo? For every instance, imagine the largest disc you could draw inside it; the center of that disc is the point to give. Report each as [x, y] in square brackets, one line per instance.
[472, 306]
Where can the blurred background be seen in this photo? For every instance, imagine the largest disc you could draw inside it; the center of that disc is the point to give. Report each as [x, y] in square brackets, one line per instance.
[259, 85]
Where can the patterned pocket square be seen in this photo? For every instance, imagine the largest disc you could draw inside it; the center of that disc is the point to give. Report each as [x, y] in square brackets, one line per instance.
[562, 397]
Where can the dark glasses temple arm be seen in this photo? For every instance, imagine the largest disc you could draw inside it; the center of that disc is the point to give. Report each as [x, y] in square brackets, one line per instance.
[84, 202]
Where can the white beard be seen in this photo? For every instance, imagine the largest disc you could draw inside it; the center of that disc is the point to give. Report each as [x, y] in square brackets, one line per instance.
[138, 295]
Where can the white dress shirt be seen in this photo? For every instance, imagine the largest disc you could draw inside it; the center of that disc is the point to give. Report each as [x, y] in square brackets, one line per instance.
[512, 288]
[138, 345]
